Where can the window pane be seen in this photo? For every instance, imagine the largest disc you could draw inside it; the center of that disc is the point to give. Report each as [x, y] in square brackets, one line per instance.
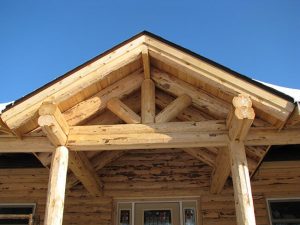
[14, 221]
[157, 217]
[189, 217]
[125, 217]
[285, 210]
[286, 223]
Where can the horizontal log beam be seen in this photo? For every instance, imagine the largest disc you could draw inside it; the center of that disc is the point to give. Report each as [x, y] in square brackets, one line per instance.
[146, 141]
[9, 144]
[168, 127]
[257, 137]
[142, 136]
[160, 135]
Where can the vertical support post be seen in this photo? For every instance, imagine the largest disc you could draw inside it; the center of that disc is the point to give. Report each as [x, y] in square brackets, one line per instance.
[56, 187]
[239, 122]
[148, 101]
[241, 184]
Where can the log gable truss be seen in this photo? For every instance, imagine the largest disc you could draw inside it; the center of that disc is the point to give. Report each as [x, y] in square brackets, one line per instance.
[167, 98]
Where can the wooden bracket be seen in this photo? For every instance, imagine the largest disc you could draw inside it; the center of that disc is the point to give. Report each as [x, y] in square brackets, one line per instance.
[174, 109]
[123, 111]
[56, 128]
[238, 123]
[53, 124]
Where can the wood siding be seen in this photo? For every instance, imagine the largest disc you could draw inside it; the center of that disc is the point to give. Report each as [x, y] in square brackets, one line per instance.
[161, 173]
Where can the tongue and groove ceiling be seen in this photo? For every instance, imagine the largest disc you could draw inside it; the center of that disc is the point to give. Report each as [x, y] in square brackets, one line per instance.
[83, 93]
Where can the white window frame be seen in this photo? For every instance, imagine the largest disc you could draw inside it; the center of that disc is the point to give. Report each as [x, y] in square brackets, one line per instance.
[133, 202]
[16, 205]
[270, 200]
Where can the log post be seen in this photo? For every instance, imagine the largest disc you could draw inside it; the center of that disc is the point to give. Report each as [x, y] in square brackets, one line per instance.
[56, 187]
[148, 101]
[239, 123]
[241, 184]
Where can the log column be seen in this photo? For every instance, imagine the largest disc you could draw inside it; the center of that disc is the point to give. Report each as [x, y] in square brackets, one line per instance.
[239, 123]
[56, 187]
[241, 183]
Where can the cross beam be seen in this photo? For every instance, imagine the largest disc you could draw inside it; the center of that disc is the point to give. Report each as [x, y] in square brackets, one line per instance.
[211, 133]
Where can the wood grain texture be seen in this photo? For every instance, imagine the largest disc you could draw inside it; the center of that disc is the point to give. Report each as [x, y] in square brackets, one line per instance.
[123, 111]
[174, 109]
[163, 168]
[56, 187]
[241, 184]
[148, 101]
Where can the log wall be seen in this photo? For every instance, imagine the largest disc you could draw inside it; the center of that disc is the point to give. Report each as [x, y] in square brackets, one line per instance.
[142, 174]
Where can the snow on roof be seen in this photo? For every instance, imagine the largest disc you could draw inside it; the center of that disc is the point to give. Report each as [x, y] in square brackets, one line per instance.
[3, 105]
[294, 93]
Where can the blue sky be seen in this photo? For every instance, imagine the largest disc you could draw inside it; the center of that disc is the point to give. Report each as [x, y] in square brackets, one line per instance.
[41, 40]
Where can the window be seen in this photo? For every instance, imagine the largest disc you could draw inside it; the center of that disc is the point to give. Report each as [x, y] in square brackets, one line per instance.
[157, 217]
[18, 214]
[181, 212]
[284, 211]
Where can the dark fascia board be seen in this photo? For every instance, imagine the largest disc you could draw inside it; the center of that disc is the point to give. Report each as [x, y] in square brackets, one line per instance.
[234, 73]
